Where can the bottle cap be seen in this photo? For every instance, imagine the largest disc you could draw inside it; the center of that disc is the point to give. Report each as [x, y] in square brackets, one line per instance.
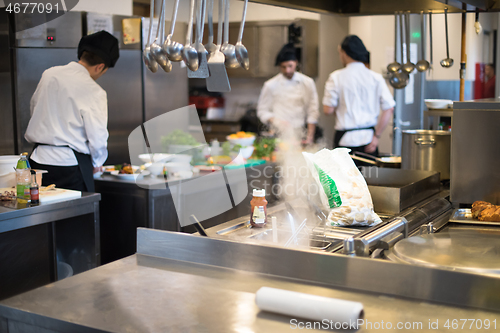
[259, 193]
[33, 172]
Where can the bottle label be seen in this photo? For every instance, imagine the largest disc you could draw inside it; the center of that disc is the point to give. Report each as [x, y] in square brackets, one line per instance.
[259, 215]
[23, 191]
[35, 195]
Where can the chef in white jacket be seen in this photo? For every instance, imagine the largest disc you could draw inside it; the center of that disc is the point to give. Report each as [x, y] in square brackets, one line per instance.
[69, 115]
[356, 95]
[289, 100]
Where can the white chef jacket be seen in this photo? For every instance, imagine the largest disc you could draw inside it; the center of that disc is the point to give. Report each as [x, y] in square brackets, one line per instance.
[68, 108]
[358, 94]
[293, 100]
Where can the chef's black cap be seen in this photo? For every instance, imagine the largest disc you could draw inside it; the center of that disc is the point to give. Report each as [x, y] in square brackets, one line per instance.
[354, 48]
[287, 53]
[366, 58]
[102, 44]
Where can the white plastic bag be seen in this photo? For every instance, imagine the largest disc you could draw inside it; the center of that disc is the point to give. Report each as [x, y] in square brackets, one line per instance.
[342, 188]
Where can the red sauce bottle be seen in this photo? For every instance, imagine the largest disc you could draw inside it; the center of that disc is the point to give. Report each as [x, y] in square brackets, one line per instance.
[258, 215]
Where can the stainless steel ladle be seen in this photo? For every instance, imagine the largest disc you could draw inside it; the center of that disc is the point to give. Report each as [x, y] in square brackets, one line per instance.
[173, 49]
[400, 79]
[210, 46]
[409, 66]
[147, 56]
[156, 49]
[240, 50]
[447, 62]
[395, 66]
[422, 64]
[228, 49]
[189, 54]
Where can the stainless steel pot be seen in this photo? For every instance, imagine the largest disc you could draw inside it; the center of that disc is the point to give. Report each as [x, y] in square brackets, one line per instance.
[427, 150]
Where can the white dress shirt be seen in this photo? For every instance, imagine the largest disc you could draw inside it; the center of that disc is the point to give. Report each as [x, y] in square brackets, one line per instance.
[357, 94]
[68, 108]
[293, 100]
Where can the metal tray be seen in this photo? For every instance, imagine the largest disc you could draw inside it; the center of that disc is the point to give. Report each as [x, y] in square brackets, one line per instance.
[464, 215]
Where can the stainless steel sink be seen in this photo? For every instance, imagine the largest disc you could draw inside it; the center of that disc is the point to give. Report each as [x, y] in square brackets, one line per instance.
[308, 229]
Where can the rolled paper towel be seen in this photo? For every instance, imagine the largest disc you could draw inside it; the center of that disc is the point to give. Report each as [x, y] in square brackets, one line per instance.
[300, 305]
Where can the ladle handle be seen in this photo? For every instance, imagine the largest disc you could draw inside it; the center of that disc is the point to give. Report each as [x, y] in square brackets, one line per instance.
[430, 35]
[396, 37]
[198, 19]
[401, 34]
[422, 34]
[446, 27]
[221, 19]
[200, 22]
[158, 28]
[151, 19]
[242, 25]
[407, 23]
[190, 24]
[210, 21]
[174, 18]
[226, 23]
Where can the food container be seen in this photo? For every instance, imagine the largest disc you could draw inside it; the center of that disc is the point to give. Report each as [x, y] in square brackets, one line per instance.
[427, 150]
[438, 103]
[244, 142]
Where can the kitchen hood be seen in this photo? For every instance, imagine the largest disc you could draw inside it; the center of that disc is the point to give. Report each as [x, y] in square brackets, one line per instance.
[383, 7]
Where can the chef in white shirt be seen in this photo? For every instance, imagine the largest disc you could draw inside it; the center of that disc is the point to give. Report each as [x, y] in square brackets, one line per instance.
[69, 115]
[355, 95]
[289, 100]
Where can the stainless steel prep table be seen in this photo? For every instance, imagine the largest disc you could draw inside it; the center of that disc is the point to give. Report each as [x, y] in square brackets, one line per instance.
[30, 237]
[126, 206]
[171, 285]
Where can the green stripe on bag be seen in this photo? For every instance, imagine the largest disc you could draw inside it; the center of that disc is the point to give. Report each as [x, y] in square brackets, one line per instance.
[330, 188]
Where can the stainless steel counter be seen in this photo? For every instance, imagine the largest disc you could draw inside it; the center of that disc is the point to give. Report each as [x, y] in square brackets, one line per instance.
[125, 206]
[33, 239]
[186, 283]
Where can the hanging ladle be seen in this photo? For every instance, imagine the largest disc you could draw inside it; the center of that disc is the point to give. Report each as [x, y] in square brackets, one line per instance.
[239, 48]
[173, 49]
[395, 66]
[430, 41]
[189, 54]
[408, 67]
[210, 46]
[147, 56]
[228, 49]
[448, 62]
[400, 79]
[159, 52]
[422, 64]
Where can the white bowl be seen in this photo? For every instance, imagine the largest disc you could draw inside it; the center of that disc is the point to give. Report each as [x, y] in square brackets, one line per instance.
[181, 158]
[176, 167]
[246, 152]
[242, 141]
[157, 157]
[130, 176]
[156, 169]
[438, 103]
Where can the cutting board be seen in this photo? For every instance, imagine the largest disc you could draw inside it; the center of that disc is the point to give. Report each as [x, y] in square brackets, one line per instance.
[52, 195]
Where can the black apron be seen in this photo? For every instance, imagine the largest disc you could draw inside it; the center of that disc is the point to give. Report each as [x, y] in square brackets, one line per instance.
[84, 164]
[339, 134]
